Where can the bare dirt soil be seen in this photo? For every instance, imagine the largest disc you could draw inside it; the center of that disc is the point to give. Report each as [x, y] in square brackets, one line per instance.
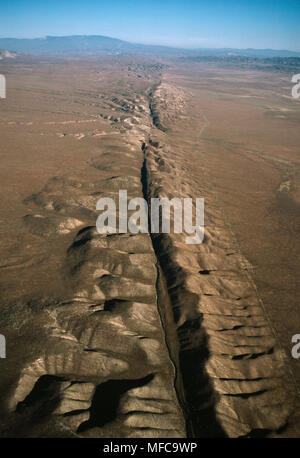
[142, 335]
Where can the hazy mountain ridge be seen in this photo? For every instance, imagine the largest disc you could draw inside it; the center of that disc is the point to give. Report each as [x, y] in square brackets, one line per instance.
[98, 44]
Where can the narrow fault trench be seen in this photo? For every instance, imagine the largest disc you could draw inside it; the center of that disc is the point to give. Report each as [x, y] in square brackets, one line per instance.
[191, 377]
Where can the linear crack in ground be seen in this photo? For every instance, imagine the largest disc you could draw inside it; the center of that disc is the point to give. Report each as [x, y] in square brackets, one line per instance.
[140, 335]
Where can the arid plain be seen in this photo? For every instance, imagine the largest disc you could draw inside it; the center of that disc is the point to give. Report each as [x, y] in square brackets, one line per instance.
[142, 335]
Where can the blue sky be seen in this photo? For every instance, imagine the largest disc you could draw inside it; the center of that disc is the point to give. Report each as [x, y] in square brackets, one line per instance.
[189, 23]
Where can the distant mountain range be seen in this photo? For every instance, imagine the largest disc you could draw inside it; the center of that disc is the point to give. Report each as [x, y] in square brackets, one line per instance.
[93, 45]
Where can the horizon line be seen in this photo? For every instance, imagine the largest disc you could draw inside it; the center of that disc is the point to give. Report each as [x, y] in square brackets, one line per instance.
[146, 44]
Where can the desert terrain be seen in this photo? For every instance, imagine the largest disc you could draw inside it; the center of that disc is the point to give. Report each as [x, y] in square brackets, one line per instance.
[142, 335]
